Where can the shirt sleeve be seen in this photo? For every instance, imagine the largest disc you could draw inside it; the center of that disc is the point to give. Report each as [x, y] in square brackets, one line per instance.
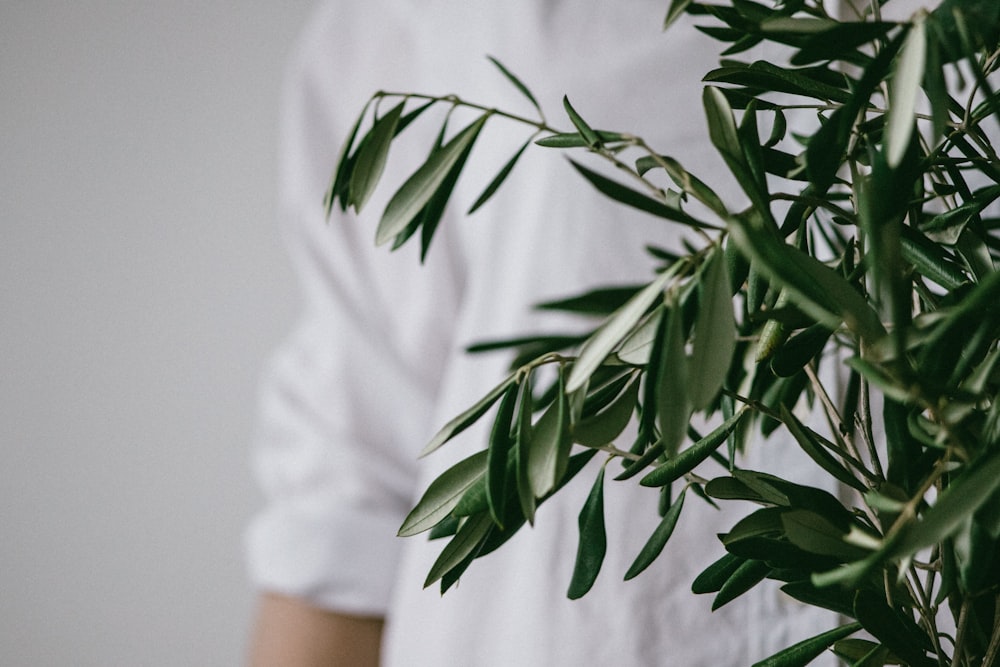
[346, 401]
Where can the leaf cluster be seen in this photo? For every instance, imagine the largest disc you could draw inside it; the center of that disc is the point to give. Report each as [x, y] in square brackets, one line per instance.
[868, 253]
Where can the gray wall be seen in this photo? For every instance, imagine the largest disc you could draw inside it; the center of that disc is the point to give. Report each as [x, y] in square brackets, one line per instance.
[142, 283]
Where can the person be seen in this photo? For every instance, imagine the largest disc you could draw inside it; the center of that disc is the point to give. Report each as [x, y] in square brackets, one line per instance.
[377, 363]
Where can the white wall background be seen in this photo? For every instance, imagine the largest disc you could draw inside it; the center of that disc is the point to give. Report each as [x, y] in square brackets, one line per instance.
[142, 283]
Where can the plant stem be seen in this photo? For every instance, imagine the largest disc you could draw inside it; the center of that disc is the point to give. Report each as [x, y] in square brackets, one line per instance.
[963, 622]
[993, 651]
[866, 429]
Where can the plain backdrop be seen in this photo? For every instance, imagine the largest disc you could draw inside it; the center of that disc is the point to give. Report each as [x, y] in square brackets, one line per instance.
[142, 285]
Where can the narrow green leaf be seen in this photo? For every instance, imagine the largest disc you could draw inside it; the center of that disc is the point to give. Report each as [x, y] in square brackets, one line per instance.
[637, 346]
[602, 428]
[836, 599]
[714, 577]
[551, 444]
[762, 74]
[517, 83]
[522, 452]
[614, 330]
[765, 522]
[499, 449]
[340, 183]
[473, 501]
[908, 74]
[810, 443]
[799, 350]
[414, 194]
[898, 632]
[576, 140]
[498, 180]
[593, 542]
[815, 288]
[804, 652]
[685, 180]
[372, 157]
[956, 503]
[443, 494]
[746, 576]
[585, 130]
[677, 8]
[714, 334]
[467, 541]
[811, 532]
[658, 539]
[468, 417]
[431, 214]
[598, 301]
[673, 406]
[634, 466]
[689, 459]
[626, 195]
[725, 137]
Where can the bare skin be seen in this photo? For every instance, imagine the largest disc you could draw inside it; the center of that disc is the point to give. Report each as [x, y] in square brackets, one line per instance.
[291, 633]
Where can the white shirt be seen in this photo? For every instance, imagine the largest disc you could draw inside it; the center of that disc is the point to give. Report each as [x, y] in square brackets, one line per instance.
[376, 363]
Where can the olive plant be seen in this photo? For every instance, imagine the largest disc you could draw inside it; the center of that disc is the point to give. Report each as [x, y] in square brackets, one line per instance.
[868, 252]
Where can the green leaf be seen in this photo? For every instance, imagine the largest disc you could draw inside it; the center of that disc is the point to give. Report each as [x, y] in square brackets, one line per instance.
[443, 494]
[725, 137]
[602, 428]
[673, 407]
[688, 459]
[473, 501]
[600, 301]
[498, 180]
[577, 140]
[815, 288]
[593, 542]
[414, 194]
[430, 216]
[804, 652]
[714, 577]
[496, 460]
[764, 75]
[898, 632]
[954, 506]
[799, 350]
[372, 157]
[462, 548]
[522, 452]
[468, 417]
[677, 8]
[685, 180]
[626, 195]
[637, 346]
[840, 40]
[714, 335]
[551, 444]
[746, 576]
[658, 539]
[811, 532]
[340, 184]
[903, 92]
[811, 444]
[585, 130]
[517, 83]
[614, 330]
[834, 598]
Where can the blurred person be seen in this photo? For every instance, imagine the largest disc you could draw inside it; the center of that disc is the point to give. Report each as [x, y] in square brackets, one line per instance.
[377, 363]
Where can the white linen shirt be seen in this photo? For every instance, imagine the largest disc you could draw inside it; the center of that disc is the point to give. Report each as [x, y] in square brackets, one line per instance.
[376, 363]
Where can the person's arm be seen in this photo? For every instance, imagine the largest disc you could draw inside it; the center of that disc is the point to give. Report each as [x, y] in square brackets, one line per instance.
[291, 633]
[348, 398]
